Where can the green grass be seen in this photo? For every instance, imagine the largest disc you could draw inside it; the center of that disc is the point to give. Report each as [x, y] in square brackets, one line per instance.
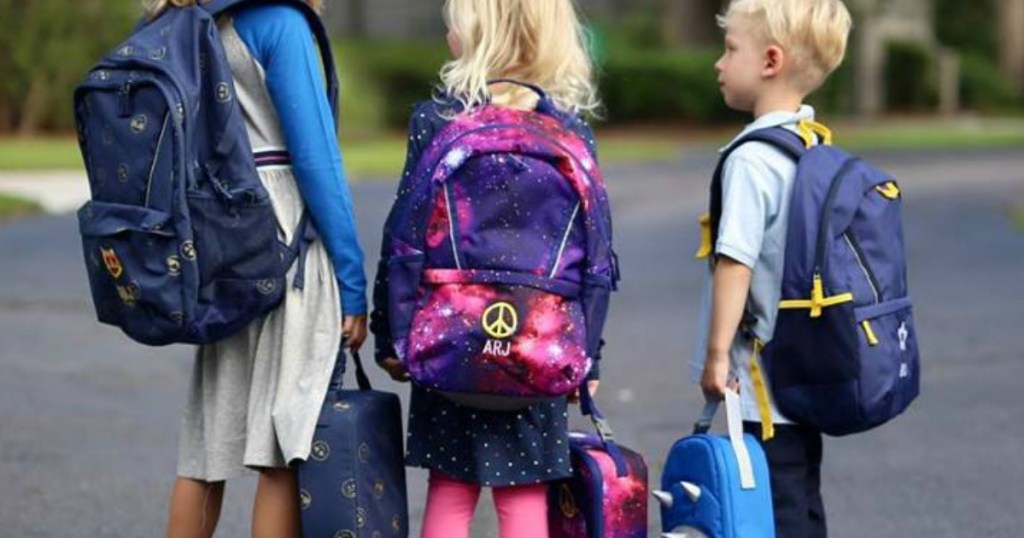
[980, 134]
[382, 156]
[366, 157]
[12, 208]
[39, 154]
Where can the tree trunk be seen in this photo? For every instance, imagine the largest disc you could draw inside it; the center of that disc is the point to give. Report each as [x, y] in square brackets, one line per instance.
[33, 109]
[6, 118]
[673, 18]
[1011, 42]
[868, 54]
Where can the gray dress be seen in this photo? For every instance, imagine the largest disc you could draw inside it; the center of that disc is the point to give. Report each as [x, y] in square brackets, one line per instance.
[254, 397]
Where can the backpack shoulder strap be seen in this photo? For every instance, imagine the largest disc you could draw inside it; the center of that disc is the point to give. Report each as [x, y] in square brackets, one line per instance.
[780, 138]
[316, 25]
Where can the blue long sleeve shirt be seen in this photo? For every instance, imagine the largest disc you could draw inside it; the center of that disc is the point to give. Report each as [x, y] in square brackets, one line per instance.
[280, 40]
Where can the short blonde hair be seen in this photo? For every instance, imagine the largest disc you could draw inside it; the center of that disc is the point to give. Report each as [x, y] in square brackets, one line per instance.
[154, 8]
[541, 42]
[813, 33]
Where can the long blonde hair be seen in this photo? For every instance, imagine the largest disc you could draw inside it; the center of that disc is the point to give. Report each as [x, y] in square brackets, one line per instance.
[541, 42]
[154, 8]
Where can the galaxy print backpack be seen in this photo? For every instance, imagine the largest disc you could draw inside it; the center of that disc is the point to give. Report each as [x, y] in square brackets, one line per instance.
[501, 264]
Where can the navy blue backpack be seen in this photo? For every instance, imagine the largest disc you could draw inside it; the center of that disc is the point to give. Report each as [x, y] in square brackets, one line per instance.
[179, 237]
[844, 355]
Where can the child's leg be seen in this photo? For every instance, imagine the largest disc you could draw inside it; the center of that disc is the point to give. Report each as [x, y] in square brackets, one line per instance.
[195, 508]
[275, 511]
[450, 506]
[794, 458]
[522, 511]
[815, 504]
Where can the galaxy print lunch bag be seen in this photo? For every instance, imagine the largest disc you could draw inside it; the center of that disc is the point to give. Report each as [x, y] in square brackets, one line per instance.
[501, 264]
[606, 496]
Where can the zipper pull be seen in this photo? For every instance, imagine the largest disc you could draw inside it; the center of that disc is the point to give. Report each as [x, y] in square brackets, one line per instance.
[869, 333]
[125, 100]
[817, 296]
[904, 334]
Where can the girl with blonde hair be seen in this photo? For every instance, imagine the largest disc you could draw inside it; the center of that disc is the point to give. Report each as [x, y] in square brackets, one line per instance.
[506, 53]
[255, 396]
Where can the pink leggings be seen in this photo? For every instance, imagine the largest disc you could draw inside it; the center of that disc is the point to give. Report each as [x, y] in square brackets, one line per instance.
[522, 510]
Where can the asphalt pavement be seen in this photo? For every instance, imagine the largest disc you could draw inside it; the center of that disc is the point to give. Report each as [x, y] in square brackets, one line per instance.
[89, 421]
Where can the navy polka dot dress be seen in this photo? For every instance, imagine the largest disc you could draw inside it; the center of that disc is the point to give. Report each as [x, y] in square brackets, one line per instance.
[489, 448]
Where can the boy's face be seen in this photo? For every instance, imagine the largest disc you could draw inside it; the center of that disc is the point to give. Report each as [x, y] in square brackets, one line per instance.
[741, 66]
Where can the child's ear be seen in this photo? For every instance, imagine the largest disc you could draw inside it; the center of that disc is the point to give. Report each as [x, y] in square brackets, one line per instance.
[774, 61]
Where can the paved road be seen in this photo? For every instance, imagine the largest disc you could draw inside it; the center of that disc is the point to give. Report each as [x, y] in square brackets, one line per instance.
[88, 421]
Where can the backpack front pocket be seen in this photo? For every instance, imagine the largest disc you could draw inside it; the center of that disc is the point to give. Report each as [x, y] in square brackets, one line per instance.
[890, 377]
[137, 268]
[497, 339]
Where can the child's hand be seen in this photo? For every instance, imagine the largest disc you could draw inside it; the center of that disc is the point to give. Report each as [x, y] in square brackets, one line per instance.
[592, 386]
[716, 377]
[395, 369]
[353, 331]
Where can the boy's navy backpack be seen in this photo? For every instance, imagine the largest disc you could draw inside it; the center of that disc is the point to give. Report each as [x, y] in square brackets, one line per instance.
[180, 239]
[606, 497]
[717, 486]
[844, 356]
[353, 484]
[501, 265]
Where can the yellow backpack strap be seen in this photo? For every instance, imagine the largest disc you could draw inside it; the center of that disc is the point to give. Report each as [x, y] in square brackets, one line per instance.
[705, 237]
[808, 129]
[764, 406]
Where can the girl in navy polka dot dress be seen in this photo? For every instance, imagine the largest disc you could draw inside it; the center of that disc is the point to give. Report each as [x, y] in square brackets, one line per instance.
[516, 453]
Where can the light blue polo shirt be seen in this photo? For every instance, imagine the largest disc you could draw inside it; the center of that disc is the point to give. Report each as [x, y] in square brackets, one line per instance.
[757, 183]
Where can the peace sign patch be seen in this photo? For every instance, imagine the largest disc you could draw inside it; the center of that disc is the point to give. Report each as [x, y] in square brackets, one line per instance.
[500, 320]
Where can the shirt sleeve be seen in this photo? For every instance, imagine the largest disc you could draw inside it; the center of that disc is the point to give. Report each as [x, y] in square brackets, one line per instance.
[747, 204]
[280, 39]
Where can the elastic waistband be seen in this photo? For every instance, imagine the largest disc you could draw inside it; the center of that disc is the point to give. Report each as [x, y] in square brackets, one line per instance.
[272, 158]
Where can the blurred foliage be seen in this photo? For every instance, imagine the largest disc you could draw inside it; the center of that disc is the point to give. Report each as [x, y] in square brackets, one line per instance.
[985, 87]
[970, 27]
[836, 96]
[910, 77]
[650, 85]
[48, 46]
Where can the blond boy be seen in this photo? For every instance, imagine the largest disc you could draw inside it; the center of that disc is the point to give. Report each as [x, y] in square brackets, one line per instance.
[777, 52]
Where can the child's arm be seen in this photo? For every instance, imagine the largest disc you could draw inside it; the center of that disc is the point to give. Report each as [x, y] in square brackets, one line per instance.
[729, 298]
[748, 191]
[280, 39]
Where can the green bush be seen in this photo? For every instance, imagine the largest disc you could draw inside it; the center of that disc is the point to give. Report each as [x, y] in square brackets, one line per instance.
[836, 95]
[911, 78]
[657, 86]
[382, 80]
[971, 27]
[984, 87]
[398, 74]
[47, 48]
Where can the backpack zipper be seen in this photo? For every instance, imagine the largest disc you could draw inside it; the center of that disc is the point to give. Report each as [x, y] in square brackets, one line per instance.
[451, 225]
[826, 215]
[156, 154]
[565, 240]
[859, 254]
